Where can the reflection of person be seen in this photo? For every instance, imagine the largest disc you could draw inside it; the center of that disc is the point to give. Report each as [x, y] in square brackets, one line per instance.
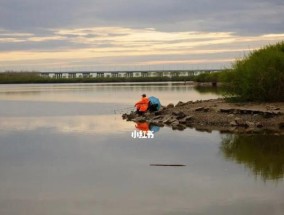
[154, 128]
[144, 130]
[145, 126]
[142, 126]
[142, 105]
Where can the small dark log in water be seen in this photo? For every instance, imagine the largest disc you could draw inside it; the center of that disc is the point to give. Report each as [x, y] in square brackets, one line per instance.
[174, 165]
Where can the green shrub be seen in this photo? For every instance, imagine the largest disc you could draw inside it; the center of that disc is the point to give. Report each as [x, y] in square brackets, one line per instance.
[259, 76]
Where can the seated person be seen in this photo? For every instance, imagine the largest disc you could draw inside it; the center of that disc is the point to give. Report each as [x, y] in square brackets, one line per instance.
[154, 104]
[153, 107]
[142, 105]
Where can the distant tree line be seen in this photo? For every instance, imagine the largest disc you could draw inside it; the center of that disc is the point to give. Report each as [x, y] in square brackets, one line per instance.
[259, 76]
[34, 77]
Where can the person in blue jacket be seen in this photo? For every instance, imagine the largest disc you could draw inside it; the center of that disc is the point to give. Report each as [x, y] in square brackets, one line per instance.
[154, 104]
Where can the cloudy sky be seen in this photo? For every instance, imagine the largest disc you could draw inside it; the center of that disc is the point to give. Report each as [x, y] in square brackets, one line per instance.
[72, 35]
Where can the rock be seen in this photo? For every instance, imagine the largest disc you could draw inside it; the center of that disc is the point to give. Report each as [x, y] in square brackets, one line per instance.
[157, 117]
[170, 120]
[189, 102]
[199, 109]
[139, 119]
[180, 104]
[174, 125]
[157, 113]
[175, 112]
[269, 114]
[226, 110]
[181, 127]
[258, 125]
[231, 115]
[147, 114]
[244, 111]
[166, 119]
[240, 122]
[129, 117]
[179, 114]
[186, 120]
[236, 111]
[203, 129]
[175, 122]
[271, 107]
[171, 105]
[206, 109]
[124, 116]
[233, 123]
[249, 124]
[249, 111]
[281, 125]
[178, 127]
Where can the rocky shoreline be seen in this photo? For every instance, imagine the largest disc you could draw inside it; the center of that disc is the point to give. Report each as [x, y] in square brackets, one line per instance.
[217, 114]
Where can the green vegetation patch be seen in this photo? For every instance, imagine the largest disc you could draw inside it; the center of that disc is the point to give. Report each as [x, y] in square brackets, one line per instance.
[259, 76]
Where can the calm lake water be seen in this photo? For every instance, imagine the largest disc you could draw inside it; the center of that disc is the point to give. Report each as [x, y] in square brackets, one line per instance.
[64, 149]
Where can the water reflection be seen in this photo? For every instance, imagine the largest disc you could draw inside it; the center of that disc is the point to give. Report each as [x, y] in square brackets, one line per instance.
[99, 124]
[210, 90]
[59, 155]
[101, 93]
[262, 154]
[146, 126]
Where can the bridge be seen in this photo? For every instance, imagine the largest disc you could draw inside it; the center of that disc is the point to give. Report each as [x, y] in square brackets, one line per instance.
[126, 74]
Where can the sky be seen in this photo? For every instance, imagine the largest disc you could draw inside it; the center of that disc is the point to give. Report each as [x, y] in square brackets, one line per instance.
[115, 35]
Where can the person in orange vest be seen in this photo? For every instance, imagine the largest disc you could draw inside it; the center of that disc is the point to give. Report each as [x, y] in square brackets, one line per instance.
[142, 105]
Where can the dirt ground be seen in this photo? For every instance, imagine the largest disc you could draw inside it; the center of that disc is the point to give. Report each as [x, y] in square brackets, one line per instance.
[217, 114]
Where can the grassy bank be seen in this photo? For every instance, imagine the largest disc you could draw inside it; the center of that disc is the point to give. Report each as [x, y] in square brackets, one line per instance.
[259, 76]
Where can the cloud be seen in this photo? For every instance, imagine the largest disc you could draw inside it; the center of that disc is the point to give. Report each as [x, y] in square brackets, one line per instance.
[244, 16]
[120, 46]
[67, 31]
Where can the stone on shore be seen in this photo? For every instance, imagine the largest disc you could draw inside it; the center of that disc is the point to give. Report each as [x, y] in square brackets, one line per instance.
[171, 105]
[180, 104]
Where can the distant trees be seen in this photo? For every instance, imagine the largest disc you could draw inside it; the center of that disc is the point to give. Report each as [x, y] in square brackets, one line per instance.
[19, 77]
[34, 77]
